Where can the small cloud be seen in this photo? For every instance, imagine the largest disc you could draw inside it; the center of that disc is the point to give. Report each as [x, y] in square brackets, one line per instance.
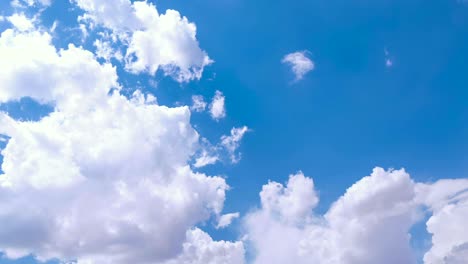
[226, 219]
[388, 62]
[299, 62]
[217, 108]
[388, 59]
[232, 142]
[198, 103]
[54, 26]
[205, 159]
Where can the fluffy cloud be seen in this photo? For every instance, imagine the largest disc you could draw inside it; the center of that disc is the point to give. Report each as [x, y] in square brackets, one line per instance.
[370, 223]
[41, 72]
[21, 22]
[300, 64]
[217, 108]
[291, 203]
[155, 41]
[200, 248]
[103, 178]
[448, 202]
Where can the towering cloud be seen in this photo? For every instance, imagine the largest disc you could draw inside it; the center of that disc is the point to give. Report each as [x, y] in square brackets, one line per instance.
[370, 223]
[104, 178]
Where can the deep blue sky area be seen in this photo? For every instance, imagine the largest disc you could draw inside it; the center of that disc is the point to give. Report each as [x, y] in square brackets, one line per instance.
[347, 116]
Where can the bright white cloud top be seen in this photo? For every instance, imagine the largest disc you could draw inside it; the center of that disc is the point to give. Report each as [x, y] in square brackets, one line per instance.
[21, 22]
[300, 64]
[370, 223]
[109, 177]
[154, 41]
[108, 174]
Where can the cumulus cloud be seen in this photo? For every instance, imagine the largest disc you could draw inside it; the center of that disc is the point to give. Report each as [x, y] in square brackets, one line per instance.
[447, 200]
[154, 41]
[198, 103]
[104, 178]
[200, 248]
[50, 76]
[21, 22]
[370, 223]
[217, 108]
[299, 62]
[291, 203]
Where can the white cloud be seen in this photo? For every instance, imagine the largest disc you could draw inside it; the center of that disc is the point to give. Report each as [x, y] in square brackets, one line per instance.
[299, 62]
[448, 202]
[109, 175]
[370, 223]
[104, 50]
[226, 149]
[226, 220]
[198, 103]
[155, 41]
[25, 3]
[50, 76]
[201, 249]
[206, 158]
[291, 203]
[217, 108]
[21, 22]
[232, 142]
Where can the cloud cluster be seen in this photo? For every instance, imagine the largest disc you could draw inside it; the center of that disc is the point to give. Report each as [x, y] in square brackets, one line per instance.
[104, 178]
[107, 178]
[370, 223]
[154, 41]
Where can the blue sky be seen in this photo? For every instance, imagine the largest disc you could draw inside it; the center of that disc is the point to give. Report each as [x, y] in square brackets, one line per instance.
[388, 89]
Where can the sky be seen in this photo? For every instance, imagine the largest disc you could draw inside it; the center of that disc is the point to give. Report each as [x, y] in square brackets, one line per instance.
[231, 131]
